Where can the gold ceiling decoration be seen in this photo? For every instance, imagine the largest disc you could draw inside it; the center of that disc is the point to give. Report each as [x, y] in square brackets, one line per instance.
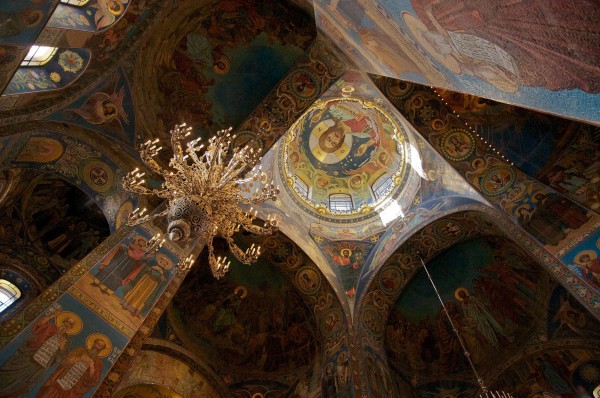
[204, 188]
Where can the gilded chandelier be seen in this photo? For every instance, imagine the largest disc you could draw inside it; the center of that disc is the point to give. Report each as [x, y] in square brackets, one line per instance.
[204, 188]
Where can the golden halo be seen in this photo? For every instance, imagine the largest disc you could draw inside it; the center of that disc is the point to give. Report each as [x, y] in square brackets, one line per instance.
[89, 342]
[124, 212]
[418, 30]
[77, 324]
[222, 66]
[577, 259]
[138, 237]
[119, 9]
[160, 257]
[242, 289]
[258, 395]
[460, 289]
[38, 15]
[346, 250]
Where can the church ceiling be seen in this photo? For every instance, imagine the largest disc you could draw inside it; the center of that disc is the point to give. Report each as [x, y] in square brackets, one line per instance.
[526, 53]
[331, 277]
[561, 153]
[210, 62]
[48, 224]
[107, 49]
[394, 180]
[495, 295]
[342, 146]
[262, 321]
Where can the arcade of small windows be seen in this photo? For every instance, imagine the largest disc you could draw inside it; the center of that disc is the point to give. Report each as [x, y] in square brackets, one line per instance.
[340, 202]
[76, 3]
[39, 55]
[381, 186]
[9, 293]
[301, 187]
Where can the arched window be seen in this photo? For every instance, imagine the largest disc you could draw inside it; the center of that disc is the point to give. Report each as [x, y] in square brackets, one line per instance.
[39, 55]
[9, 293]
[340, 202]
[381, 186]
[76, 3]
[301, 187]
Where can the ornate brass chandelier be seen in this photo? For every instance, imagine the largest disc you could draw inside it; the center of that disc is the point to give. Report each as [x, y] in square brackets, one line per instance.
[204, 189]
[485, 392]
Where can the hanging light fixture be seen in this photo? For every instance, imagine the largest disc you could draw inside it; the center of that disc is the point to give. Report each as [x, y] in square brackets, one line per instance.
[485, 393]
[204, 189]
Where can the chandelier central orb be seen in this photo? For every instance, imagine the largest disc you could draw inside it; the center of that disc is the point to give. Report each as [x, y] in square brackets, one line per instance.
[204, 188]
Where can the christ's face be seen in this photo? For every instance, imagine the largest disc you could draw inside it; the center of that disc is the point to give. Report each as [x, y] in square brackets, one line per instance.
[333, 139]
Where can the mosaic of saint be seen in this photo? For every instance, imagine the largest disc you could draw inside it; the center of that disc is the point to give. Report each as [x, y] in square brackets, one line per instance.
[493, 293]
[343, 146]
[253, 321]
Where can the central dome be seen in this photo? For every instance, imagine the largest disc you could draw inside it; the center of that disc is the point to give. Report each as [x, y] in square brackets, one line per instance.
[344, 157]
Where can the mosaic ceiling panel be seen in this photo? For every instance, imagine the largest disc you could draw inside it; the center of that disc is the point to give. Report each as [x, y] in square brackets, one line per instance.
[343, 146]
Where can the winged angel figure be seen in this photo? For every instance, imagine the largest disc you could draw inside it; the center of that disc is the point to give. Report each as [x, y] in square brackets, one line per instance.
[102, 108]
[108, 11]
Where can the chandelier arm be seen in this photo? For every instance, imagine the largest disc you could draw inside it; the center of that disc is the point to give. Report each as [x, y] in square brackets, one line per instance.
[140, 190]
[133, 220]
[262, 198]
[177, 134]
[191, 151]
[455, 330]
[233, 170]
[258, 230]
[148, 159]
[244, 257]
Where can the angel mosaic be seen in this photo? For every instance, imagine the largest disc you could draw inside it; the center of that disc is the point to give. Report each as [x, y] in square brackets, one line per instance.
[106, 108]
[108, 11]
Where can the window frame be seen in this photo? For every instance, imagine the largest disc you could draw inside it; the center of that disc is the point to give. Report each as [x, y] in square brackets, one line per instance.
[334, 200]
[381, 185]
[299, 183]
[11, 292]
[75, 3]
[30, 60]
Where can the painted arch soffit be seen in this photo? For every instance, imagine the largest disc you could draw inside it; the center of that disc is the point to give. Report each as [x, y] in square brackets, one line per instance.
[277, 314]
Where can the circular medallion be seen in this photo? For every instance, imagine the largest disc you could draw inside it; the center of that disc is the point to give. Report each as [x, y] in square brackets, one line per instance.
[98, 176]
[398, 90]
[308, 280]
[449, 230]
[332, 322]
[304, 84]
[371, 320]
[248, 137]
[497, 180]
[390, 280]
[457, 145]
[345, 147]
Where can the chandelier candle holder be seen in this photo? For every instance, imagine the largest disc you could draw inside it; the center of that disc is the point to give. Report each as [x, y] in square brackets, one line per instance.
[204, 190]
[485, 393]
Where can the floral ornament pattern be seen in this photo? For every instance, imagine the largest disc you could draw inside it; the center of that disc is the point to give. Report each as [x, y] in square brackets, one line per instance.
[55, 77]
[70, 61]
